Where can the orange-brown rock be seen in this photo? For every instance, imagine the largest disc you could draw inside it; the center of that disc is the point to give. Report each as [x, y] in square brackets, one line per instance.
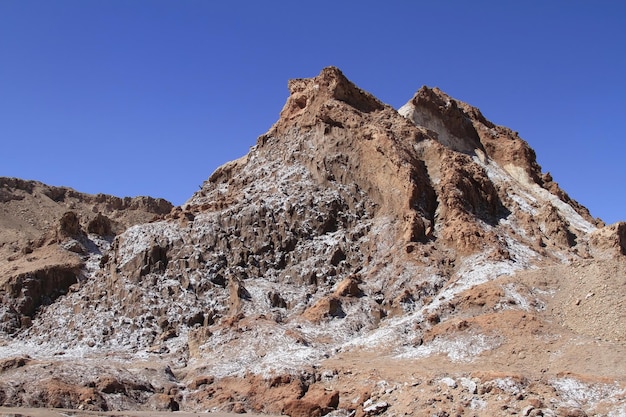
[359, 260]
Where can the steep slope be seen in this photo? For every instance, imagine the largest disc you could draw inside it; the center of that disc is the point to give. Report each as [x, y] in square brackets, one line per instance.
[354, 246]
[48, 235]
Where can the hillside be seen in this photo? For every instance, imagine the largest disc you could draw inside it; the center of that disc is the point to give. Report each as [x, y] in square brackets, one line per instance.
[359, 260]
[53, 237]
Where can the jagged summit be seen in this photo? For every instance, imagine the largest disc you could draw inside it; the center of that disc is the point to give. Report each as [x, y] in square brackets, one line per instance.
[463, 128]
[441, 114]
[444, 175]
[350, 234]
[311, 97]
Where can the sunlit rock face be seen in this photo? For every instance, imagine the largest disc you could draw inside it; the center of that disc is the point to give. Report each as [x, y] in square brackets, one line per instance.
[349, 228]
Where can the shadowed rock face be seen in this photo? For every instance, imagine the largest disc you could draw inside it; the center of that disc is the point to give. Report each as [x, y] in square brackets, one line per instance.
[349, 226]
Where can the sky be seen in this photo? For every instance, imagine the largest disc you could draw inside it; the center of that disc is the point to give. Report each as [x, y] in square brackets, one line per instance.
[149, 97]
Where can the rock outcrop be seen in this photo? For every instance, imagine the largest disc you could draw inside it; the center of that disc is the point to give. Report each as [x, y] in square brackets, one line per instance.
[358, 260]
[52, 238]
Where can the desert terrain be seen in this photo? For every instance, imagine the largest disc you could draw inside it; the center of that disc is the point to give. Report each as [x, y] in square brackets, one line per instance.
[360, 260]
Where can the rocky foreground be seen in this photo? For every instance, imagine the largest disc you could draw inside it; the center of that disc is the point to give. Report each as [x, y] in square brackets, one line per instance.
[360, 260]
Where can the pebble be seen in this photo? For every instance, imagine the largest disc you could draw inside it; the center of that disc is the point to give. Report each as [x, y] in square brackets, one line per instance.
[449, 382]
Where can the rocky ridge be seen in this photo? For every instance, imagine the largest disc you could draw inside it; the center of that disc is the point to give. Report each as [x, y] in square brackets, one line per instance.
[51, 238]
[359, 260]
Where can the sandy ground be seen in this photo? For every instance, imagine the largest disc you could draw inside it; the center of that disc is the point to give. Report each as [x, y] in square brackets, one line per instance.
[58, 412]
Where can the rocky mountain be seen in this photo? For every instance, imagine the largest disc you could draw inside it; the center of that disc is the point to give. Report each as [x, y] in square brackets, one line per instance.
[53, 237]
[359, 260]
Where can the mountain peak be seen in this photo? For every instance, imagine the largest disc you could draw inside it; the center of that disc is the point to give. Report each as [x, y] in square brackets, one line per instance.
[351, 234]
[437, 165]
[437, 111]
[463, 128]
[310, 98]
[331, 83]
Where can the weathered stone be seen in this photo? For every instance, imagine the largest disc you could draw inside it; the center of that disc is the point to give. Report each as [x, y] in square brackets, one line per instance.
[345, 212]
[375, 408]
[69, 225]
[349, 287]
[100, 225]
[163, 402]
[110, 385]
[301, 408]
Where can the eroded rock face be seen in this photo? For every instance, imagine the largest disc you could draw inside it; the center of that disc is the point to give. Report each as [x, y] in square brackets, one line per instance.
[42, 286]
[100, 225]
[53, 237]
[332, 190]
[69, 225]
[32, 209]
[341, 186]
[349, 226]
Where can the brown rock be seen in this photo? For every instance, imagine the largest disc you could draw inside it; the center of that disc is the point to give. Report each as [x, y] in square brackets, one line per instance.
[163, 402]
[570, 412]
[100, 225]
[110, 385]
[344, 211]
[611, 239]
[349, 287]
[327, 400]
[55, 393]
[301, 408]
[201, 380]
[276, 300]
[69, 225]
[324, 308]
[238, 408]
[557, 229]
[12, 363]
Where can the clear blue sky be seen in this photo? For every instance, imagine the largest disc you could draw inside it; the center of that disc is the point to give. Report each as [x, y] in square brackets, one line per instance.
[149, 97]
